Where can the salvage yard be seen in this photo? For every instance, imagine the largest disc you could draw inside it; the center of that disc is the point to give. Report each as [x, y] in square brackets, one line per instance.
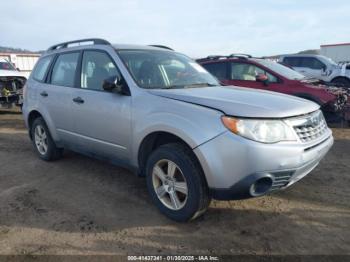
[79, 205]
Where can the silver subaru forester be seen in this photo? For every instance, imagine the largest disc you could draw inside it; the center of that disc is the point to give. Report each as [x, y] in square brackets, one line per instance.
[162, 115]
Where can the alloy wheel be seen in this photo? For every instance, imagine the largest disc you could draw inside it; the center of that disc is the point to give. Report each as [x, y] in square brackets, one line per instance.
[40, 138]
[169, 184]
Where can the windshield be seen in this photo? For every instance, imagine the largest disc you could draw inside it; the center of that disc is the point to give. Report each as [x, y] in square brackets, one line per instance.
[281, 69]
[5, 65]
[165, 69]
[331, 61]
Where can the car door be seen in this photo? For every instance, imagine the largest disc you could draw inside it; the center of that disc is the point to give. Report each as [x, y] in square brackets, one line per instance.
[56, 94]
[308, 66]
[102, 119]
[312, 67]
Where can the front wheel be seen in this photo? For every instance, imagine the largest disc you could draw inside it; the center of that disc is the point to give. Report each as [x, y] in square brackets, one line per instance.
[342, 81]
[176, 183]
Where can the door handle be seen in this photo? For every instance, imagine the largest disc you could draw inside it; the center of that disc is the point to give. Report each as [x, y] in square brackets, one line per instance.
[44, 94]
[78, 100]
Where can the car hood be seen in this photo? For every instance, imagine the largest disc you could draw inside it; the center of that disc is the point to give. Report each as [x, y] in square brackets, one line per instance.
[11, 73]
[242, 102]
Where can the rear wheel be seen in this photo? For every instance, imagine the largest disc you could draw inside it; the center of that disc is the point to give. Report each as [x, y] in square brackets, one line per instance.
[43, 142]
[176, 183]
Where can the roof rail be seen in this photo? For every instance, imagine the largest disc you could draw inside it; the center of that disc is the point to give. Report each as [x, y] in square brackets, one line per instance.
[162, 46]
[211, 57]
[240, 55]
[95, 41]
[216, 56]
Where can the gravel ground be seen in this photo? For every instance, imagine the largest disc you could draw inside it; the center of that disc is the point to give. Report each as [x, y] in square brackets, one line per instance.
[79, 205]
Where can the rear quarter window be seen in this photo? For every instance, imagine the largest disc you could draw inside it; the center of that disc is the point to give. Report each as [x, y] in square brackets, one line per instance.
[41, 67]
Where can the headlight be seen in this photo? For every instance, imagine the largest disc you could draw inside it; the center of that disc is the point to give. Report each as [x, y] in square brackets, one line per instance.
[265, 131]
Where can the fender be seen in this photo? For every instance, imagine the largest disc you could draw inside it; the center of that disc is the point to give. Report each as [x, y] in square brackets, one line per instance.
[46, 116]
[194, 133]
[310, 98]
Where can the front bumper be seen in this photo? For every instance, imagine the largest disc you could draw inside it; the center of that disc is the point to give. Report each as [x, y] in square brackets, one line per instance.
[232, 163]
[13, 98]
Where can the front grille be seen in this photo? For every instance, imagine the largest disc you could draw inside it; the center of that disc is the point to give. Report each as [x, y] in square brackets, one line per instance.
[281, 179]
[310, 127]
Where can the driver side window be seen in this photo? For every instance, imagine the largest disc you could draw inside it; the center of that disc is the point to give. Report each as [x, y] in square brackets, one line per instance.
[96, 67]
[248, 72]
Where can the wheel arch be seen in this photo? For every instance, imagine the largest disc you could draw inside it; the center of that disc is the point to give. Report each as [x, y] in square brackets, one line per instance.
[340, 77]
[33, 114]
[347, 79]
[155, 139]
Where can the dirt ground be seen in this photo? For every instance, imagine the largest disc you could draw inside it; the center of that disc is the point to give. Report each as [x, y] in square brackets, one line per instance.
[79, 205]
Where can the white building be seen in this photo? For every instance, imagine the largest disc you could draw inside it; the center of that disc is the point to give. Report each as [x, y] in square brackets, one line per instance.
[23, 61]
[337, 52]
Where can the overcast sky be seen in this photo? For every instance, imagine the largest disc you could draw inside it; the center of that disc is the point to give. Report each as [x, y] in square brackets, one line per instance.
[197, 28]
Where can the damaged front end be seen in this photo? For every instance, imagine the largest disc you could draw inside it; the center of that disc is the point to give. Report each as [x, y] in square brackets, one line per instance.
[337, 108]
[11, 88]
[341, 104]
[341, 98]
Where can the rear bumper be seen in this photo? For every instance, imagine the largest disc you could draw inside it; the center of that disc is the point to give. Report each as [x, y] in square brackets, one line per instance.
[232, 164]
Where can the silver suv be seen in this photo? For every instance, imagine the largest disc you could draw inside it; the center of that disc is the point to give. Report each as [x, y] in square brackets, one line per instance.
[162, 115]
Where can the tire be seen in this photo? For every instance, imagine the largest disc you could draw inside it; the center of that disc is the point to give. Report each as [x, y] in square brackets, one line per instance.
[42, 141]
[342, 81]
[187, 172]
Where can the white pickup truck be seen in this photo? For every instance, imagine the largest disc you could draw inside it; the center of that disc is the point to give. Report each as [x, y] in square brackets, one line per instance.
[319, 67]
[11, 85]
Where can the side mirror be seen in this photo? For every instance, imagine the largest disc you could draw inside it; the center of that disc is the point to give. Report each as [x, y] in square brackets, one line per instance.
[262, 78]
[324, 71]
[19, 70]
[115, 84]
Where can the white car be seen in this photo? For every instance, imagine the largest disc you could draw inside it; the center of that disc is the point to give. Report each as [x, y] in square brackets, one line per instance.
[11, 84]
[319, 67]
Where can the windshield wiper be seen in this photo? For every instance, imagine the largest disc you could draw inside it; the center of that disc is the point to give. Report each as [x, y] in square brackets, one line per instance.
[199, 85]
[184, 86]
[173, 87]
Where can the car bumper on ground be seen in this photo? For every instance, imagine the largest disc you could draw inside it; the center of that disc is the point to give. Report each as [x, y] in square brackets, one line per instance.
[237, 168]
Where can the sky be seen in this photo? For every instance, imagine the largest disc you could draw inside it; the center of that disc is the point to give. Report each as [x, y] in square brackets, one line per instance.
[196, 28]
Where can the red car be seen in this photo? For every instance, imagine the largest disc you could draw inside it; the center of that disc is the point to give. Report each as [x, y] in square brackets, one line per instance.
[246, 71]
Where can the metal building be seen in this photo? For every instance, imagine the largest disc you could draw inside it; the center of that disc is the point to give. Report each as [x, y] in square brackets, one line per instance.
[23, 61]
[337, 52]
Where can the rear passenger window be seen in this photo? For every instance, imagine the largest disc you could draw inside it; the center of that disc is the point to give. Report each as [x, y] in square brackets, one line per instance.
[41, 68]
[219, 70]
[96, 67]
[63, 72]
[292, 61]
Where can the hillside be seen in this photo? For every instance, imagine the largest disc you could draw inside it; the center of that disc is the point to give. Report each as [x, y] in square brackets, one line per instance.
[5, 49]
[305, 52]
